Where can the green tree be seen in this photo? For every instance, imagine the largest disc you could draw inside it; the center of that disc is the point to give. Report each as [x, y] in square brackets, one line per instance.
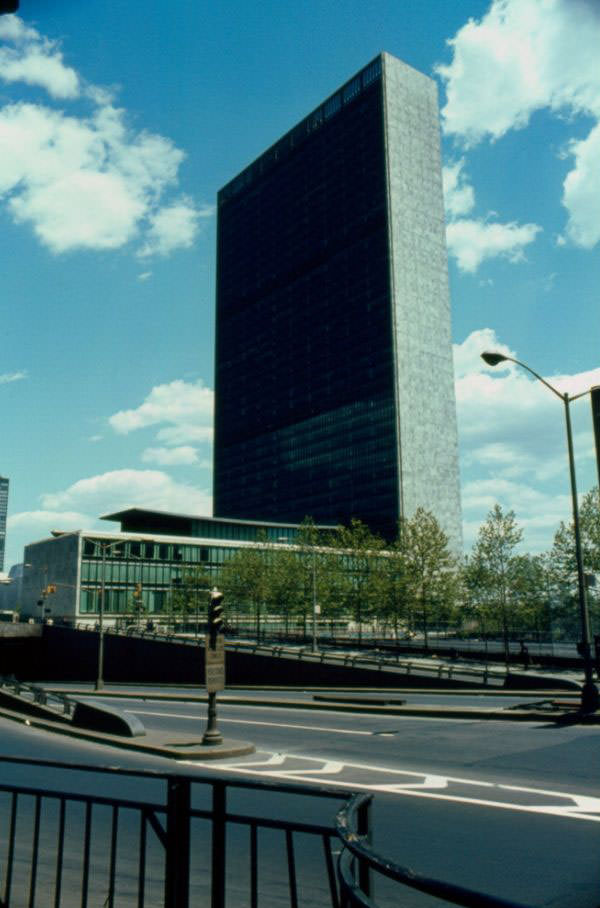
[532, 587]
[564, 566]
[430, 570]
[361, 559]
[245, 580]
[494, 564]
[188, 597]
[285, 584]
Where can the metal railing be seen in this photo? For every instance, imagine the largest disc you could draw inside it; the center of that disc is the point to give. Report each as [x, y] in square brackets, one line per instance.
[358, 864]
[54, 700]
[484, 674]
[397, 662]
[169, 840]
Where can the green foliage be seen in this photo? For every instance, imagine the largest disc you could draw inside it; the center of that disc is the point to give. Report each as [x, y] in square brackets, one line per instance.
[188, 597]
[361, 566]
[429, 570]
[492, 572]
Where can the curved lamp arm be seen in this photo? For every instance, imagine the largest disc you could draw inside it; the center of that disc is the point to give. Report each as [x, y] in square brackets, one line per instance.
[493, 359]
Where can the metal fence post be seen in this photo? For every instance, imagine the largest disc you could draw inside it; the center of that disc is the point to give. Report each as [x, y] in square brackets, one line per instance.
[363, 829]
[177, 870]
[218, 845]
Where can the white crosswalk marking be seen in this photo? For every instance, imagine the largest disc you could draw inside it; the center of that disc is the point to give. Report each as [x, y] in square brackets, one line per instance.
[407, 783]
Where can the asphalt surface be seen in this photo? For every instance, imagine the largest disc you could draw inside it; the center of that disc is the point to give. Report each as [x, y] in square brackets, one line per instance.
[510, 809]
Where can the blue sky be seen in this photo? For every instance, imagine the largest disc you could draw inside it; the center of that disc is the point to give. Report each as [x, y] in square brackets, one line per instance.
[118, 124]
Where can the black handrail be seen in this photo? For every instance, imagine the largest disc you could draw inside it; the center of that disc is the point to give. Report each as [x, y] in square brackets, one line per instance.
[358, 861]
[41, 840]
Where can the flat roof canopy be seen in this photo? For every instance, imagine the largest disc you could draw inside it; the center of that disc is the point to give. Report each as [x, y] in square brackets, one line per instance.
[142, 520]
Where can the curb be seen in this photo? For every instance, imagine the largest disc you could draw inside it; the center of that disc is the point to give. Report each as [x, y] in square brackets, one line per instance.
[175, 749]
[407, 711]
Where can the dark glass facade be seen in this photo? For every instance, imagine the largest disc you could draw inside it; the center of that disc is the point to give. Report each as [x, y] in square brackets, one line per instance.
[305, 413]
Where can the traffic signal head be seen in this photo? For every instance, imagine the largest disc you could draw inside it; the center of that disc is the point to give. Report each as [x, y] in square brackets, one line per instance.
[215, 614]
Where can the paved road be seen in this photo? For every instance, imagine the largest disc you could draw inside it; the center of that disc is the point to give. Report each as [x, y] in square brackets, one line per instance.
[510, 809]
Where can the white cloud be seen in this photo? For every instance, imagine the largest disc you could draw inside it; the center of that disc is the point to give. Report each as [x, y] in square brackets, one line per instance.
[467, 356]
[512, 438]
[186, 408]
[164, 457]
[144, 276]
[520, 57]
[471, 242]
[80, 505]
[35, 60]
[85, 182]
[173, 227]
[581, 191]
[8, 377]
[43, 521]
[120, 489]
[459, 197]
[178, 434]
[523, 55]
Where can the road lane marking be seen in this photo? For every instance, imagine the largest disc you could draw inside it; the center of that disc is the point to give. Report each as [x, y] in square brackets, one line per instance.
[340, 731]
[425, 785]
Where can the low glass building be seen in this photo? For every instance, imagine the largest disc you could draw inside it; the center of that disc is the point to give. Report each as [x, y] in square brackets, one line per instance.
[137, 568]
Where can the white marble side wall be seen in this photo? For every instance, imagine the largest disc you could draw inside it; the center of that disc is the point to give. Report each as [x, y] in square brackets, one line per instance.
[421, 311]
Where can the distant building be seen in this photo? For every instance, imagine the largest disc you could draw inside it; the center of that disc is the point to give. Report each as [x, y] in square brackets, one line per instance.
[334, 377]
[3, 510]
[10, 591]
[63, 575]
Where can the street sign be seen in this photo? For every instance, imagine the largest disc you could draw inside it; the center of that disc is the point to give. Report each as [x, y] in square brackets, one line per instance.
[215, 664]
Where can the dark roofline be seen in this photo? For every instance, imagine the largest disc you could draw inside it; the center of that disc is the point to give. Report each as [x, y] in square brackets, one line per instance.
[129, 512]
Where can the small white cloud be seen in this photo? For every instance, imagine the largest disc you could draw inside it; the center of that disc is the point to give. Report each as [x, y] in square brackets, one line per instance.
[35, 60]
[8, 377]
[40, 523]
[472, 242]
[170, 457]
[467, 356]
[95, 438]
[173, 227]
[187, 408]
[459, 197]
[144, 276]
[84, 181]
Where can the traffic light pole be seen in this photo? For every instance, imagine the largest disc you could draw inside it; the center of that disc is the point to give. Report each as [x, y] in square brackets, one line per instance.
[212, 735]
[215, 666]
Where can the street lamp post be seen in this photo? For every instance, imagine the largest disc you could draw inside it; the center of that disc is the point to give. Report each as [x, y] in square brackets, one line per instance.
[589, 694]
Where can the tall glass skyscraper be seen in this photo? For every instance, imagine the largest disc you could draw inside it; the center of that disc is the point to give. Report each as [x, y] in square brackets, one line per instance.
[334, 378]
[3, 510]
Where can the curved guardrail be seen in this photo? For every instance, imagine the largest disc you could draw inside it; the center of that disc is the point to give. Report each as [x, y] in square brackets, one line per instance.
[358, 862]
